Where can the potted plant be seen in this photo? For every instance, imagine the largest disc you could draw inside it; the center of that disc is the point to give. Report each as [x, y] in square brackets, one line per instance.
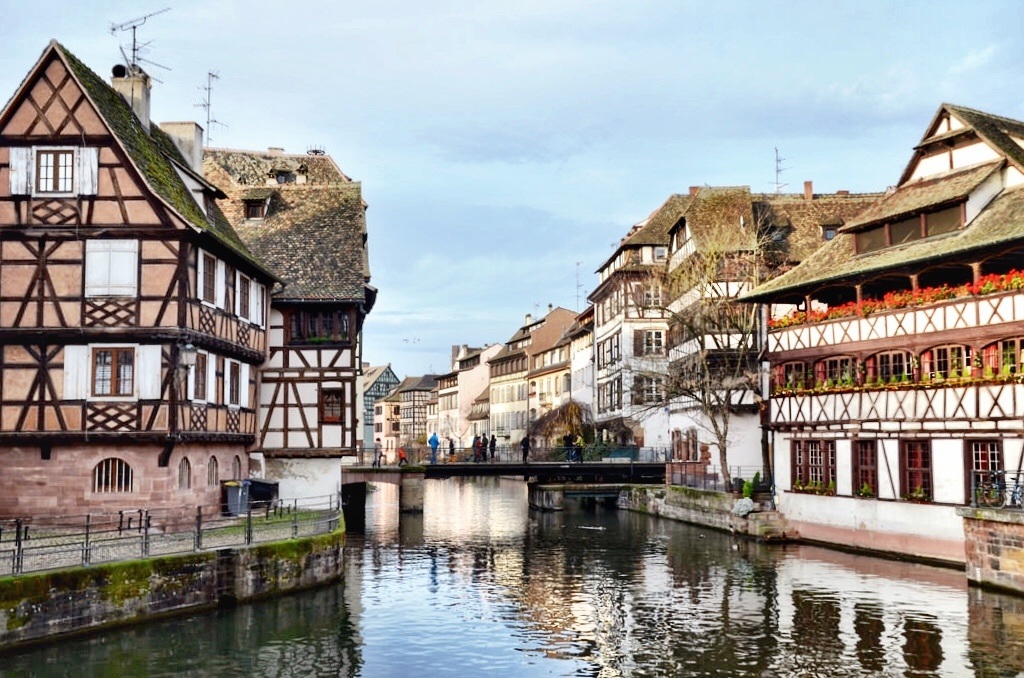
[865, 491]
[918, 496]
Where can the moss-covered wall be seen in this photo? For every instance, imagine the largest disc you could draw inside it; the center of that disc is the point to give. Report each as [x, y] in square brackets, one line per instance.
[38, 606]
[706, 508]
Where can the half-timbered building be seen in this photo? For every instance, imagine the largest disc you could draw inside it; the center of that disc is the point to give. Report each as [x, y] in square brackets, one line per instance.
[303, 217]
[129, 348]
[895, 350]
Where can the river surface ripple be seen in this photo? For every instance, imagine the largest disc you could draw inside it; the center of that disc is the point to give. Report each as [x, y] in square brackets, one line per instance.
[480, 585]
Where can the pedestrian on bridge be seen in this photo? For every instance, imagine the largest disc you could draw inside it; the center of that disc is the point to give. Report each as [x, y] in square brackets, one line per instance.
[526, 449]
[493, 444]
[451, 449]
[434, 443]
[378, 452]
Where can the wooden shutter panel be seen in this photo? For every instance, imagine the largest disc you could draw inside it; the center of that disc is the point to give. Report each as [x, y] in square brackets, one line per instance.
[243, 387]
[148, 364]
[76, 372]
[88, 160]
[638, 342]
[21, 170]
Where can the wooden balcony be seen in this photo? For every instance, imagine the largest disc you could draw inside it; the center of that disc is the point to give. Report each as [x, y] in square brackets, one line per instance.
[965, 313]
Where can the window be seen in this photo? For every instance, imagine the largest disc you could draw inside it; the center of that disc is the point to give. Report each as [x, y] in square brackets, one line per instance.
[905, 231]
[1003, 357]
[890, 366]
[378, 428]
[945, 221]
[55, 171]
[945, 362]
[111, 268]
[184, 474]
[835, 370]
[652, 295]
[865, 467]
[870, 240]
[244, 289]
[790, 375]
[660, 253]
[208, 278]
[814, 463]
[212, 472]
[234, 383]
[828, 232]
[916, 468]
[653, 342]
[986, 458]
[648, 390]
[113, 371]
[318, 327]
[255, 209]
[112, 475]
[199, 377]
[331, 402]
[236, 467]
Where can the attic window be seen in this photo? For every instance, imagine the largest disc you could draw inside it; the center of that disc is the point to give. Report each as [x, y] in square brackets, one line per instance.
[255, 209]
[913, 228]
[828, 232]
[660, 253]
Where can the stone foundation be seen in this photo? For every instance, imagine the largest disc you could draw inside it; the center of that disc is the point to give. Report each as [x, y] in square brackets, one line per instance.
[40, 606]
[994, 547]
[706, 508]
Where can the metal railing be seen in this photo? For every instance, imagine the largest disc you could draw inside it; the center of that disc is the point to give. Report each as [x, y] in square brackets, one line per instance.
[997, 489]
[513, 454]
[707, 476]
[38, 544]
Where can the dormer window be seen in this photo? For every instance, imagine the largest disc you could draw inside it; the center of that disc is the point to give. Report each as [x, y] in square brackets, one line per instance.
[828, 232]
[255, 209]
[660, 253]
[907, 230]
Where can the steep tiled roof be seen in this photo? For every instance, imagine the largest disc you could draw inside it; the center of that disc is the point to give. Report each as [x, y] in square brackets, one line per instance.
[942, 189]
[313, 236]
[1000, 223]
[655, 229]
[806, 218]
[154, 154]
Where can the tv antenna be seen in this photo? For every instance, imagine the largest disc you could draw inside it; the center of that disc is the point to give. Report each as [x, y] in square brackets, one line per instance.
[578, 286]
[205, 105]
[779, 169]
[137, 49]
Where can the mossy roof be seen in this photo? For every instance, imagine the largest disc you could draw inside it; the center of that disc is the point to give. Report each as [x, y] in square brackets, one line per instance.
[155, 156]
[1000, 224]
[313, 236]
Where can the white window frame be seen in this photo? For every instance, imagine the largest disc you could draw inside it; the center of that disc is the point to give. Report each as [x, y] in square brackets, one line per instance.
[243, 313]
[211, 378]
[201, 276]
[654, 342]
[243, 384]
[100, 263]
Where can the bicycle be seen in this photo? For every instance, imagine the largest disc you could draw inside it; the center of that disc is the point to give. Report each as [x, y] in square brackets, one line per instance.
[1015, 494]
[991, 493]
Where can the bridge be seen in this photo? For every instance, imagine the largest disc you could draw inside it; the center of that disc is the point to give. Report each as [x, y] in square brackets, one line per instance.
[549, 481]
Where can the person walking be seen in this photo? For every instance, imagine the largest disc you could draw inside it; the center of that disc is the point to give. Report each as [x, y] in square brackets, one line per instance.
[378, 452]
[493, 445]
[526, 449]
[578, 444]
[403, 459]
[434, 443]
[451, 448]
[477, 447]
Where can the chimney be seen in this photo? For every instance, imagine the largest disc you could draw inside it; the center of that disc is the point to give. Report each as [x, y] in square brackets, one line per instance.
[551, 307]
[133, 85]
[694, 189]
[529, 318]
[188, 137]
[808, 190]
[843, 192]
[455, 353]
[275, 150]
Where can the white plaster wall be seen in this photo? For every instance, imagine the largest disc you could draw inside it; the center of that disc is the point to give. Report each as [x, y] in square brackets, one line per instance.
[948, 470]
[930, 165]
[973, 154]
[935, 521]
[744, 436]
[982, 195]
[332, 436]
[844, 466]
[304, 478]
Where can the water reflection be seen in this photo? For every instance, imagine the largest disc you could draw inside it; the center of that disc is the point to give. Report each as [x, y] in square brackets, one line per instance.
[478, 584]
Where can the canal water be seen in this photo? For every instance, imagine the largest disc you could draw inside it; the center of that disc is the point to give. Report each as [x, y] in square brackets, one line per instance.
[479, 585]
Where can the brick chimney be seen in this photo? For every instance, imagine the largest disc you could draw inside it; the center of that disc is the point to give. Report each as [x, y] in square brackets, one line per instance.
[188, 137]
[133, 84]
[694, 189]
[843, 192]
[808, 190]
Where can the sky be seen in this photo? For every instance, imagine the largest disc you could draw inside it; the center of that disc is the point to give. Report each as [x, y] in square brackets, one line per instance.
[505, 147]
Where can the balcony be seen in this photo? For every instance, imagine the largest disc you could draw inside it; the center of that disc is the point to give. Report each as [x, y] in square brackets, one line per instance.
[881, 320]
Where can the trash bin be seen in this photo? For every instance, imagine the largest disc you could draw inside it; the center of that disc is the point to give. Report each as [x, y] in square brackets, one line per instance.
[234, 497]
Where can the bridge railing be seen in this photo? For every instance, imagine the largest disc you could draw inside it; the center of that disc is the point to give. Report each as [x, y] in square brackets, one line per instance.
[36, 544]
[513, 454]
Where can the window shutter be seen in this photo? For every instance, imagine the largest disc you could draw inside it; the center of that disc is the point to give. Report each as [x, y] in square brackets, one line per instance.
[76, 372]
[148, 364]
[237, 300]
[638, 342]
[97, 268]
[190, 388]
[243, 388]
[88, 170]
[211, 378]
[21, 170]
[219, 283]
[123, 268]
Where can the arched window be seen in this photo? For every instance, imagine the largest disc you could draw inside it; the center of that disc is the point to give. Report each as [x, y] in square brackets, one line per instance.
[236, 467]
[212, 472]
[836, 370]
[888, 366]
[790, 375]
[945, 362]
[113, 475]
[1003, 357]
[184, 474]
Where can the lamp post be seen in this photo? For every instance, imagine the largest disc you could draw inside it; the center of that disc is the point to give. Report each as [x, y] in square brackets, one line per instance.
[186, 361]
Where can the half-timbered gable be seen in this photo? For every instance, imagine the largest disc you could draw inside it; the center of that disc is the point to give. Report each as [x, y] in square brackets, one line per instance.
[101, 221]
[303, 217]
[895, 350]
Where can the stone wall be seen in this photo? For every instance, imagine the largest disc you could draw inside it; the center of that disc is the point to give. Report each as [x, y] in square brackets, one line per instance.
[39, 606]
[994, 545]
[705, 507]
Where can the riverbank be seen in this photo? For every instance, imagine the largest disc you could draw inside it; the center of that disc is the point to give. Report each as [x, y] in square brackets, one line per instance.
[707, 508]
[42, 606]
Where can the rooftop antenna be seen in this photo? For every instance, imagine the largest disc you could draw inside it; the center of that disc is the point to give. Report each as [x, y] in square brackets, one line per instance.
[578, 286]
[205, 105]
[137, 49]
[779, 169]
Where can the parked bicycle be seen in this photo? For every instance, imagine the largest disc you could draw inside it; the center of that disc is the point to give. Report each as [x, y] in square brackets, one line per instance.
[990, 490]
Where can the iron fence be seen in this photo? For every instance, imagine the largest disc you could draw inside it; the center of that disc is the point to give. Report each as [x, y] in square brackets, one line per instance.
[38, 544]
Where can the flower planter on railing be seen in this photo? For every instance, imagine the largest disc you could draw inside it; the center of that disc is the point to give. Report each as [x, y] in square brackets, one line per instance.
[989, 284]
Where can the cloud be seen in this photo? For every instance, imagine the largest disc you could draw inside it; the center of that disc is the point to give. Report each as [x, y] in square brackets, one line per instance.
[973, 60]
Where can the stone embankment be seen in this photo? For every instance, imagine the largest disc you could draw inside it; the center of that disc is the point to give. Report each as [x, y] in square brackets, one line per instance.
[44, 605]
[707, 508]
